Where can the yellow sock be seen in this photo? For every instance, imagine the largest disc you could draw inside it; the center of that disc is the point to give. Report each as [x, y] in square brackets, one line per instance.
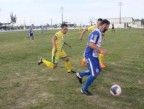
[101, 58]
[48, 63]
[68, 66]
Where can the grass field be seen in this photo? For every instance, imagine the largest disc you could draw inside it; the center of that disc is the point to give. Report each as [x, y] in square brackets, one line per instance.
[25, 85]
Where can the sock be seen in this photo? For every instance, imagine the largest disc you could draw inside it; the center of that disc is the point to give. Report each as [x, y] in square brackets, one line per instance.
[84, 73]
[89, 81]
[68, 66]
[83, 62]
[48, 63]
[101, 58]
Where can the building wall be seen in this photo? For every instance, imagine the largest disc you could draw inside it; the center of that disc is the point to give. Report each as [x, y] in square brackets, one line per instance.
[126, 22]
[138, 23]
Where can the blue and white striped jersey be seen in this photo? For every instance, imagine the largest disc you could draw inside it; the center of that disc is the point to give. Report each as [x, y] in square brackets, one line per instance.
[96, 38]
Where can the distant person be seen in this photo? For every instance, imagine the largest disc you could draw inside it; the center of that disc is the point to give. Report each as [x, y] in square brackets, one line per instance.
[90, 28]
[58, 51]
[43, 29]
[30, 32]
[46, 28]
[113, 29]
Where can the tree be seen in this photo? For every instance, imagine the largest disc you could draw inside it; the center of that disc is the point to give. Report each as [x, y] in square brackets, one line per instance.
[136, 19]
[13, 18]
[91, 21]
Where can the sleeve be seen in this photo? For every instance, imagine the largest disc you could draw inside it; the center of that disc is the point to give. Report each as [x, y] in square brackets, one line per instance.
[57, 35]
[89, 28]
[94, 37]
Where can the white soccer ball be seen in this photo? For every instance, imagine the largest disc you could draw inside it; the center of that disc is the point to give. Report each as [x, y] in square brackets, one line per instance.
[115, 90]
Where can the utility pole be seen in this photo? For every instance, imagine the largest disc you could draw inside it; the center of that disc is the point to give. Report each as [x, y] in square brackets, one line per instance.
[120, 4]
[51, 22]
[0, 9]
[62, 14]
[24, 24]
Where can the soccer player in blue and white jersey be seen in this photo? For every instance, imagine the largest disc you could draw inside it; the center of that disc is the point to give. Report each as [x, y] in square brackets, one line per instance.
[31, 35]
[91, 52]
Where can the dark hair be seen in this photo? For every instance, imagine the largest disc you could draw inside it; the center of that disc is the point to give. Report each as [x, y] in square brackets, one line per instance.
[100, 19]
[63, 25]
[105, 21]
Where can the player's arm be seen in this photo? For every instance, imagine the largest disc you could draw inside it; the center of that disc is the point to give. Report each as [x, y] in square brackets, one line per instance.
[93, 46]
[54, 43]
[82, 33]
[67, 44]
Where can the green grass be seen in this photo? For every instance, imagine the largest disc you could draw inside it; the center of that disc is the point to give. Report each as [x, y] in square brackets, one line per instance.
[25, 85]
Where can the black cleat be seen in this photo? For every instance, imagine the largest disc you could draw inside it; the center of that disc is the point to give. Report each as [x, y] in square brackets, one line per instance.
[40, 61]
[86, 92]
[72, 71]
[79, 78]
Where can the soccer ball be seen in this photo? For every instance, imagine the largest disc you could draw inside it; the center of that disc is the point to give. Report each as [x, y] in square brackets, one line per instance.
[115, 90]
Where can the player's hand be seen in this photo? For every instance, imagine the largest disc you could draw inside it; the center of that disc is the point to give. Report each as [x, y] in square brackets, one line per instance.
[103, 51]
[80, 38]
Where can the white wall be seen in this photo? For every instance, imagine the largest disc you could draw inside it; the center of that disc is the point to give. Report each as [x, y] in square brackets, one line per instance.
[117, 26]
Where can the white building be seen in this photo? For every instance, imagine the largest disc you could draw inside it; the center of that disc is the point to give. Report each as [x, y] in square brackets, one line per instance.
[138, 23]
[126, 22]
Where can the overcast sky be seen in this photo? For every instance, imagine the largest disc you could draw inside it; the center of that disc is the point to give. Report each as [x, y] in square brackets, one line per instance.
[41, 12]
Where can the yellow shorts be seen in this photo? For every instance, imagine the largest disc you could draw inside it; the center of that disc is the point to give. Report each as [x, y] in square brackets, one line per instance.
[58, 55]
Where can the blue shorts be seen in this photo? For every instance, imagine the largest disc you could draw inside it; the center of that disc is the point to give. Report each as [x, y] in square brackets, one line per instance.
[31, 34]
[93, 65]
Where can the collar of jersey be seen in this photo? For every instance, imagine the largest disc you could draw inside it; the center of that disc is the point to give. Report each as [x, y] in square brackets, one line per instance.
[61, 32]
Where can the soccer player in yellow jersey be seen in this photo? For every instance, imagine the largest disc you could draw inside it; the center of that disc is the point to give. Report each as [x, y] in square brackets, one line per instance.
[90, 29]
[57, 51]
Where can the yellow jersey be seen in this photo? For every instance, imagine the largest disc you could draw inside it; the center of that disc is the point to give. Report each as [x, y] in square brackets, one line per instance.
[91, 28]
[60, 40]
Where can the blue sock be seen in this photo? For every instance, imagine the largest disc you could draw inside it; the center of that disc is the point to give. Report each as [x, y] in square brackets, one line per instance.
[89, 81]
[84, 73]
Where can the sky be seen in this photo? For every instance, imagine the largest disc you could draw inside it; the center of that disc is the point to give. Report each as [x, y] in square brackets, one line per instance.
[40, 12]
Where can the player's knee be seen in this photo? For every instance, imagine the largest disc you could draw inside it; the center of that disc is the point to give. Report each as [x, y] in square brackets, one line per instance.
[94, 76]
[66, 59]
[54, 66]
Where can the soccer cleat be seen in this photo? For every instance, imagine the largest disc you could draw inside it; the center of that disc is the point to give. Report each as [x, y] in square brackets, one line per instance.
[72, 71]
[40, 61]
[102, 65]
[79, 78]
[86, 92]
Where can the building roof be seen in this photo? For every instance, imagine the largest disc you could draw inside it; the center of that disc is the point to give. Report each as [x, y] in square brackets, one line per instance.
[123, 20]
